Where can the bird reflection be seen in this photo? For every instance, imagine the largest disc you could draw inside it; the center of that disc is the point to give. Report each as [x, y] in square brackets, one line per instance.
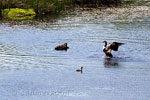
[111, 62]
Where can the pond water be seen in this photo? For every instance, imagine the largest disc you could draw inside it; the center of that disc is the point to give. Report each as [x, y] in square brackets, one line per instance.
[30, 68]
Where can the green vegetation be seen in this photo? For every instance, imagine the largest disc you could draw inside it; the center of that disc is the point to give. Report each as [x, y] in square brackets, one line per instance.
[53, 6]
[18, 13]
[40, 6]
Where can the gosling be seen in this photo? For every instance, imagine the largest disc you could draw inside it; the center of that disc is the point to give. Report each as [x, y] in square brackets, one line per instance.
[79, 70]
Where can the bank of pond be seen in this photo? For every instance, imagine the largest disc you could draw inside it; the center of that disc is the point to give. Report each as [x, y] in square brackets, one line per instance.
[27, 9]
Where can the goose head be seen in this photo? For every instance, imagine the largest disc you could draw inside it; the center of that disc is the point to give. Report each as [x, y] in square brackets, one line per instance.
[65, 44]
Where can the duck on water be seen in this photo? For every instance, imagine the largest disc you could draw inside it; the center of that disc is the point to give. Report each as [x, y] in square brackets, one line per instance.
[62, 47]
[112, 46]
[79, 70]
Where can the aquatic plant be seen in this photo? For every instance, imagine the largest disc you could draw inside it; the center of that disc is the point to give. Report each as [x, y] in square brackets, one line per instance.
[16, 13]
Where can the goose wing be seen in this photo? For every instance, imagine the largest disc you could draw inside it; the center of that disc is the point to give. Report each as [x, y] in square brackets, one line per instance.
[115, 45]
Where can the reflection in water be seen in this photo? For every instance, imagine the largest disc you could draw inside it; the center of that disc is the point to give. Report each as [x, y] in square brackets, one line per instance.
[111, 62]
[80, 71]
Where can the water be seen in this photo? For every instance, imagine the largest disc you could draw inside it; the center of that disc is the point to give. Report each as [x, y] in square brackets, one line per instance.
[30, 68]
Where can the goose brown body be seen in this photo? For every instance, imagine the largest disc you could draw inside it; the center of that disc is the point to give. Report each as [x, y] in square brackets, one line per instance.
[112, 46]
[62, 47]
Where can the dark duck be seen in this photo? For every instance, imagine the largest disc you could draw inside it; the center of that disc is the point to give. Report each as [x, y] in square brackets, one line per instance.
[62, 47]
[112, 46]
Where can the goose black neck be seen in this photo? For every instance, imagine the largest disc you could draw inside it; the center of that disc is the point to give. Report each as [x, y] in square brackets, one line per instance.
[105, 43]
[65, 44]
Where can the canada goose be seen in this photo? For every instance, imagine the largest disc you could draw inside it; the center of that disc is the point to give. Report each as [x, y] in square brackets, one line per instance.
[112, 46]
[79, 70]
[62, 47]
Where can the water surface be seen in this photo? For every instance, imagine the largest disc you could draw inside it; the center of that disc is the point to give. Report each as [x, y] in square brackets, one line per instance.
[31, 69]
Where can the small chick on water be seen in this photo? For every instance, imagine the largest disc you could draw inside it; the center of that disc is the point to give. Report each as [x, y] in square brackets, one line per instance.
[79, 70]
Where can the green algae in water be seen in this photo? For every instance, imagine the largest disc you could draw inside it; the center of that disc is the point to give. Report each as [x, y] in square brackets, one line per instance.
[18, 14]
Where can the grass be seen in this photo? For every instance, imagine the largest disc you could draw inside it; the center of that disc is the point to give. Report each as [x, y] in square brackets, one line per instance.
[52, 6]
[40, 6]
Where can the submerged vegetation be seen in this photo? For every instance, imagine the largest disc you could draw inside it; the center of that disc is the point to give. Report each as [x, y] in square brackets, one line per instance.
[52, 6]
